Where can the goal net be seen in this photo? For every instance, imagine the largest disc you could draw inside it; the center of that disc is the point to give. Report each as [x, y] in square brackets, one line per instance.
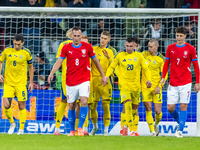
[45, 28]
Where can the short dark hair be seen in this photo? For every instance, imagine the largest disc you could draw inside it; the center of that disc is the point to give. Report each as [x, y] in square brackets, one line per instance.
[187, 22]
[130, 39]
[76, 28]
[18, 37]
[107, 33]
[181, 29]
[156, 21]
[137, 40]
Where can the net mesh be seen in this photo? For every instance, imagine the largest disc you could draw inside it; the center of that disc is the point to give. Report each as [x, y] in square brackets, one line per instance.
[45, 31]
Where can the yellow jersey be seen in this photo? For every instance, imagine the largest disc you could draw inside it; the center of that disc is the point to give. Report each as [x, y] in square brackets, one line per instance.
[156, 66]
[129, 67]
[64, 63]
[16, 65]
[105, 63]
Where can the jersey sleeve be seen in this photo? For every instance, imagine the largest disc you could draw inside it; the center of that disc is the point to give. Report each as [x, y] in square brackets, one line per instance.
[3, 56]
[167, 56]
[59, 50]
[145, 66]
[63, 53]
[29, 59]
[193, 54]
[91, 51]
[112, 66]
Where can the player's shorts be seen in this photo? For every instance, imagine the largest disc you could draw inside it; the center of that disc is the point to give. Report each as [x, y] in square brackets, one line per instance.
[11, 91]
[134, 96]
[63, 92]
[74, 92]
[105, 92]
[149, 96]
[179, 94]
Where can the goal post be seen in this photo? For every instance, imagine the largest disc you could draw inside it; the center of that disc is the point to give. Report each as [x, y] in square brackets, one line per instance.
[45, 28]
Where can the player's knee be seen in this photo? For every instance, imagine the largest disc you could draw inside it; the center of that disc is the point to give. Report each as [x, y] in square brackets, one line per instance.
[170, 108]
[8, 103]
[157, 112]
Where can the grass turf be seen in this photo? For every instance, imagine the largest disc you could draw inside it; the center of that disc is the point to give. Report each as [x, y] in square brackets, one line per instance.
[63, 142]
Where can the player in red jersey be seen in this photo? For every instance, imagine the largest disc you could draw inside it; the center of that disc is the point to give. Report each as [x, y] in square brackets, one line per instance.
[77, 76]
[180, 55]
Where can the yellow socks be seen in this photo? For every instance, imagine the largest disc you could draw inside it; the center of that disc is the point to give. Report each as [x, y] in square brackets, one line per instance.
[22, 119]
[60, 113]
[85, 125]
[128, 114]
[158, 118]
[134, 111]
[123, 119]
[135, 123]
[9, 114]
[76, 124]
[94, 114]
[106, 116]
[149, 119]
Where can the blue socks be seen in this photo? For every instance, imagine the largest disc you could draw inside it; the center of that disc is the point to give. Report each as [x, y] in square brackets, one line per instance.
[72, 119]
[82, 115]
[175, 115]
[182, 120]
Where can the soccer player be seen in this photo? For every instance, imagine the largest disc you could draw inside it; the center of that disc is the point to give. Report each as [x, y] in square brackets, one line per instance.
[77, 76]
[15, 80]
[105, 53]
[63, 103]
[135, 116]
[180, 55]
[129, 63]
[154, 94]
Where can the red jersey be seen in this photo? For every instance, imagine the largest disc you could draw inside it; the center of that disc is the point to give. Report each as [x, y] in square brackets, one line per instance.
[180, 58]
[78, 64]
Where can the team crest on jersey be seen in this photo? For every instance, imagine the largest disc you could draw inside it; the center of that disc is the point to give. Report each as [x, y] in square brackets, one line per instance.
[83, 52]
[185, 53]
[154, 62]
[135, 58]
[124, 96]
[21, 56]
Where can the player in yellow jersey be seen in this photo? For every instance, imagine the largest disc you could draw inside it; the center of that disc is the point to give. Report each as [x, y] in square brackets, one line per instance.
[105, 53]
[154, 94]
[15, 80]
[135, 116]
[63, 103]
[129, 63]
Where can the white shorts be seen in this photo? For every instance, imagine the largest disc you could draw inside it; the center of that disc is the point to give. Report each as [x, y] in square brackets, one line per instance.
[75, 92]
[179, 94]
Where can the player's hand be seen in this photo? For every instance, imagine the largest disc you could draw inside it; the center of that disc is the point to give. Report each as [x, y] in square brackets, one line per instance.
[148, 83]
[50, 78]
[1, 79]
[105, 52]
[157, 90]
[104, 80]
[30, 87]
[197, 87]
[163, 82]
[41, 77]
[141, 6]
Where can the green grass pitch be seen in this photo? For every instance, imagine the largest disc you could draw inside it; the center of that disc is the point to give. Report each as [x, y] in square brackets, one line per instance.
[63, 142]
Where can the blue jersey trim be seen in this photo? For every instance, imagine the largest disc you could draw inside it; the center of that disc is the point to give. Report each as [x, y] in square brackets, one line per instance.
[166, 58]
[133, 50]
[61, 57]
[77, 46]
[158, 54]
[21, 48]
[30, 62]
[93, 56]
[180, 46]
[110, 80]
[194, 59]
